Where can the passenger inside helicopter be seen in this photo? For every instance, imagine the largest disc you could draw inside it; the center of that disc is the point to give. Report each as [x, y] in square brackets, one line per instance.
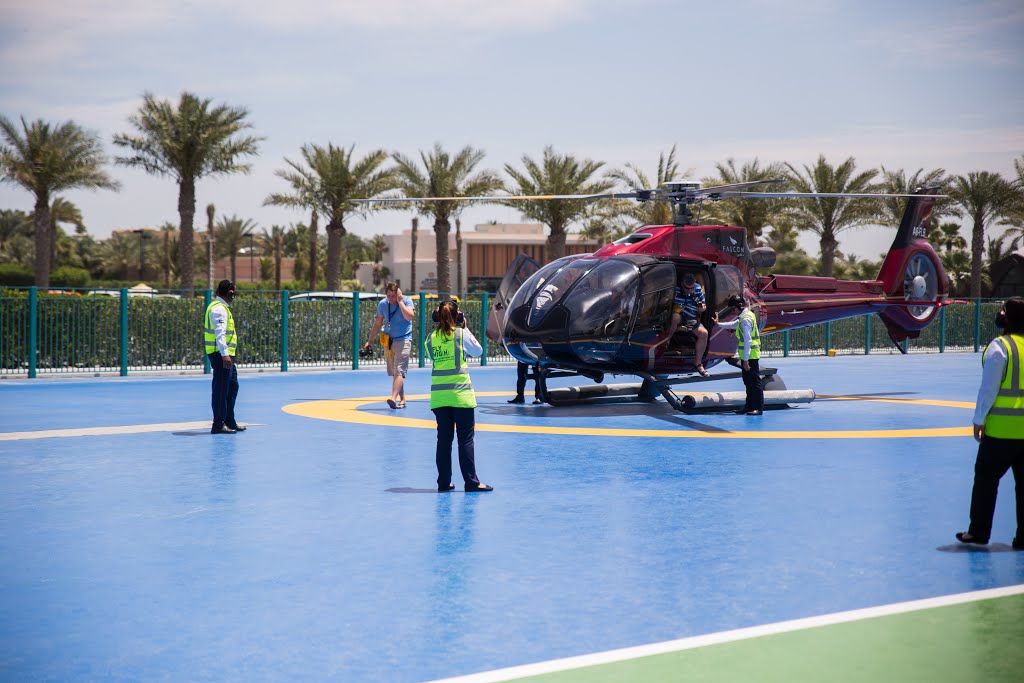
[686, 331]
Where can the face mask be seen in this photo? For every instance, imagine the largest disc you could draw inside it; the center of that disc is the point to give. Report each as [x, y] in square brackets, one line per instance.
[1000, 320]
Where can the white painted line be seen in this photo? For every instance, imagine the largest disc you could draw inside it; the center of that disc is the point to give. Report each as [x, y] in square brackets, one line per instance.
[623, 654]
[106, 431]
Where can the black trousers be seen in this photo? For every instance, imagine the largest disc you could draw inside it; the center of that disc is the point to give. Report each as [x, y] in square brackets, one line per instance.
[521, 370]
[995, 456]
[225, 389]
[448, 420]
[752, 382]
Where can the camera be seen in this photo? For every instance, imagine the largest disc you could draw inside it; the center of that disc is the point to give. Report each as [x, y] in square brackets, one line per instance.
[366, 352]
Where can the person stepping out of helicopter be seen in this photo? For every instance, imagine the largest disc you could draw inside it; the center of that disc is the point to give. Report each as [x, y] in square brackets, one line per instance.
[687, 308]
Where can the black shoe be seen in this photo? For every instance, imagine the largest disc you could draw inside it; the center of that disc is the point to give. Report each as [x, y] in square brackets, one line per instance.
[537, 401]
[237, 428]
[966, 537]
[1018, 544]
[481, 488]
[446, 489]
[517, 399]
[755, 412]
[222, 430]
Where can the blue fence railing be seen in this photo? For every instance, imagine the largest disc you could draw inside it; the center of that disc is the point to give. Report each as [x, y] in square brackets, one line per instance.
[47, 333]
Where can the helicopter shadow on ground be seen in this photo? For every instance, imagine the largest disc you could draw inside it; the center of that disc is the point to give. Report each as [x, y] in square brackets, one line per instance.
[598, 409]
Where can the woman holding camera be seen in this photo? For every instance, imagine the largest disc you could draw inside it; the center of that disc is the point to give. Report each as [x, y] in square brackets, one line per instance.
[452, 399]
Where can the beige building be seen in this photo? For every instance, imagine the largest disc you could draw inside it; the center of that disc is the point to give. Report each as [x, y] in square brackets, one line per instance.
[487, 250]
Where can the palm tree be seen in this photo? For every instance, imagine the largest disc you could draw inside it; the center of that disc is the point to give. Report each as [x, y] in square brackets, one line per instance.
[633, 177]
[755, 216]
[14, 225]
[1015, 215]
[984, 197]
[44, 160]
[828, 216]
[947, 236]
[378, 247]
[62, 211]
[444, 175]
[556, 174]
[412, 265]
[998, 248]
[117, 255]
[187, 141]
[328, 180]
[273, 241]
[791, 259]
[957, 264]
[231, 235]
[897, 182]
[211, 211]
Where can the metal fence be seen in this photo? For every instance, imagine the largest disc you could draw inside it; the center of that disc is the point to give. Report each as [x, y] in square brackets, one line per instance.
[47, 333]
[66, 332]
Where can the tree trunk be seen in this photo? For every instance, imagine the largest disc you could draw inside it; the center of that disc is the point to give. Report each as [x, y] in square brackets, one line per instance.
[414, 285]
[42, 241]
[210, 211]
[186, 212]
[458, 255]
[314, 219]
[277, 267]
[335, 231]
[441, 229]
[977, 248]
[828, 245]
[234, 261]
[167, 260]
[556, 242]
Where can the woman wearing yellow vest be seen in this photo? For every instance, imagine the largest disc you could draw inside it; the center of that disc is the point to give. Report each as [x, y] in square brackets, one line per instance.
[999, 425]
[452, 399]
[221, 342]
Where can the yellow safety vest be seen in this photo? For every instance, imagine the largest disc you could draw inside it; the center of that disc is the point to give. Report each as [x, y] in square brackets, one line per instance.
[210, 336]
[755, 335]
[450, 386]
[1005, 419]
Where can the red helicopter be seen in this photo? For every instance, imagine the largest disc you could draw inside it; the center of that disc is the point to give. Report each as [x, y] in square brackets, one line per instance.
[610, 311]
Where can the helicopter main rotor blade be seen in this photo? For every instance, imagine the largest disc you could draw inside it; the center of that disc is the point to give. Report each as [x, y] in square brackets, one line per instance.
[718, 189]
[804, 195]
[505, 198]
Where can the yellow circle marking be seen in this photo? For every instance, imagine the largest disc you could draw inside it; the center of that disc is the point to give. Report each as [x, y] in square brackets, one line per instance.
[347, 410]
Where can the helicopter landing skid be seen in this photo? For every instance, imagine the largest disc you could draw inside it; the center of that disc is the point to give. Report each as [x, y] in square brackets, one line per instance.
[776, 395]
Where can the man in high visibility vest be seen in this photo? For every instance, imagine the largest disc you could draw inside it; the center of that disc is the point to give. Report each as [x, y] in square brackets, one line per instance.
[999, 425]
[749, 348]
[221, 341]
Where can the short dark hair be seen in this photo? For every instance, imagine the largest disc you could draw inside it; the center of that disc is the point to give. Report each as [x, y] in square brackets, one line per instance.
[736, 301]
[1014, 308]
[224, 286]
[689, 279]
[391, 287]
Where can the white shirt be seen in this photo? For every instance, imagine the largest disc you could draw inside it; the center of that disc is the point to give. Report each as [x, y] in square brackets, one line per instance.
[991, 378]
[219, 320]
[746, 329]
[470, 344]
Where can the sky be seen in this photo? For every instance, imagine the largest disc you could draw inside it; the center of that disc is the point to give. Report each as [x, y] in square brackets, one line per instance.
[906, 85]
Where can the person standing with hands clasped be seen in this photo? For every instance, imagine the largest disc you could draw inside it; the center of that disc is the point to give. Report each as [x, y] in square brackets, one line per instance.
[749, 339]
[999, 425]
[452, 399]
[394, 314]
[221, 343]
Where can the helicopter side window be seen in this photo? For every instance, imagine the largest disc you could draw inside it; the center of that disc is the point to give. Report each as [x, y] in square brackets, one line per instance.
[727, 282]
[655, 309]
[530, 287]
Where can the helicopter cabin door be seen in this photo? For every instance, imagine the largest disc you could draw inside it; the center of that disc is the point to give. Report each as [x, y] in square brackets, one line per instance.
[519, 271]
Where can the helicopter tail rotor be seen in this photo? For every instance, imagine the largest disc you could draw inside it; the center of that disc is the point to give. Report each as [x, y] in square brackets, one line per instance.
[913, 272]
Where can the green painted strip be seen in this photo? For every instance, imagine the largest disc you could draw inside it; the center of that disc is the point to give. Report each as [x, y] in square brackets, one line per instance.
[970, 642]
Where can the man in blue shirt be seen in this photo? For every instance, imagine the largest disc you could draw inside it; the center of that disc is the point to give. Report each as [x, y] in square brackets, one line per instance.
[394, 318]
[686, 311]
